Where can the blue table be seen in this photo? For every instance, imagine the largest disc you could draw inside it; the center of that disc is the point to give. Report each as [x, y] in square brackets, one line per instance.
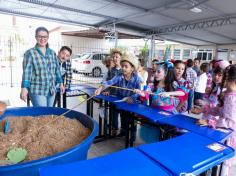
[148, 112]
[80, 90]
[189, 123]
[128, 162]
[107, 98]
[163, 117]
[105, 123]
[188, 153]
[83, 88]
[176, 120]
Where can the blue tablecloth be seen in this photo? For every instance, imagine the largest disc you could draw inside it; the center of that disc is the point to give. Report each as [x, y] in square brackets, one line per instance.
[189, 153]
[177, 120]
[188, 123]
[107, 98]
[89, 90]
[149, 113]
[128, 162]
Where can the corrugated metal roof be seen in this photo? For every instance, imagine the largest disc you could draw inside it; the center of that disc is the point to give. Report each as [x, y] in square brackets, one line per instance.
[168, 19]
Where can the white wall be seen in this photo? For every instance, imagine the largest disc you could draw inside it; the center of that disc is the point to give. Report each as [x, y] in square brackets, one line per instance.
[83, 44]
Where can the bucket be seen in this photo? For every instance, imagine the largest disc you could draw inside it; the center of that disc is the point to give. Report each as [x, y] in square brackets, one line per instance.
[148, 133]
[76, 153]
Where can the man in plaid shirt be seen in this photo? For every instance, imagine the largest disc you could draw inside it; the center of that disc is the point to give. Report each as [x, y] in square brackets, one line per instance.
[66, 72]
[41, 72]
[65, 65]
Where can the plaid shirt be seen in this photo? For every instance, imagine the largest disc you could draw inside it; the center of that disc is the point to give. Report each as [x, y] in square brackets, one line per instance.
[191, 76]
[111, 74]
[119, 81]
[41, 73]
[66, 72]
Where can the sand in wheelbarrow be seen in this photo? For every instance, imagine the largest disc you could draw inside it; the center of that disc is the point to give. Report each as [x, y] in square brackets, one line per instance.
[41, 136]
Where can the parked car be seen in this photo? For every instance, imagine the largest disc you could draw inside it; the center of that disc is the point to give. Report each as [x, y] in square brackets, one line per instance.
[90, 63]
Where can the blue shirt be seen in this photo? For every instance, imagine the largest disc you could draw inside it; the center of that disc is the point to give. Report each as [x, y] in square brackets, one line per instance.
[120, 81]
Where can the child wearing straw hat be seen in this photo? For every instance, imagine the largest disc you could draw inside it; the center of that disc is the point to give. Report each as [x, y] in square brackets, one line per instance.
[128, 79]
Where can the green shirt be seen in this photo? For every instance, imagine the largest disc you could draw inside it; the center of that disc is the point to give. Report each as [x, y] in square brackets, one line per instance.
[41, 72]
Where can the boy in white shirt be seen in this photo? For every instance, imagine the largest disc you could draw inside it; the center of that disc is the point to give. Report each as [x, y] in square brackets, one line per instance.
[201, 82]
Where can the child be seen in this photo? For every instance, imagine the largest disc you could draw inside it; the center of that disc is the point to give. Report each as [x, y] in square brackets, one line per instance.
[128, 79]
[165, 87]
[201, 83]
[2, 107]
[181, 86]
[211, 99]
[116, 55]
[227, 112]
[108, 62]
[143, 74]
[163, 84]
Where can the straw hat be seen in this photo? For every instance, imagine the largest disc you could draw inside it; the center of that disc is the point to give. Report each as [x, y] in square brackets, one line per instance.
[115, 50]
[132, 60]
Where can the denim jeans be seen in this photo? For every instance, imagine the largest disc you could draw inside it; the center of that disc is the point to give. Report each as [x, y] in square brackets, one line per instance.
[41, 100]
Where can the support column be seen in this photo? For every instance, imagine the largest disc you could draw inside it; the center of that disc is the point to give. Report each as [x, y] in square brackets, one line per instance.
[152, 51]
[216, 52]
[116, 39]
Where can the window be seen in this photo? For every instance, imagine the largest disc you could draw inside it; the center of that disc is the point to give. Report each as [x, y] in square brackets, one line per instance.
[97, 57]
[209, 56]
[205, 54]
[199, 55]
[103, 56]
[177, 54]
[232, 55]
[186, 53]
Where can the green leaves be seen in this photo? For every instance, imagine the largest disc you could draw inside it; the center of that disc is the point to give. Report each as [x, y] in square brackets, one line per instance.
[16, 155]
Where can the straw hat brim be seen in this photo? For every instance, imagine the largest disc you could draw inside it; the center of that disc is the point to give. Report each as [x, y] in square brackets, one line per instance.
[133, 61]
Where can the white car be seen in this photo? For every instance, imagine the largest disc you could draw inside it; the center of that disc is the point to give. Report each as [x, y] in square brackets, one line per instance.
[90, 63]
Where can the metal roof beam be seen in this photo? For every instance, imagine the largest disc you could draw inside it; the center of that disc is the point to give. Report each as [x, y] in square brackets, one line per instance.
[142, 10]
[202, 40]
[221, 35]
[165, 4]
[192, 26]
[13, 12]
[67, 8]
[186, 43]
[197, 3]
[127, 5]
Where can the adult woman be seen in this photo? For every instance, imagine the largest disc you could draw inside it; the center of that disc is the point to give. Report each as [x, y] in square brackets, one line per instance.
[41, 72]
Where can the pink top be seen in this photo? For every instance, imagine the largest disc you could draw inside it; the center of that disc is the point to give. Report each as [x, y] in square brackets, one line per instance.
[227, 115]
[228, 112]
